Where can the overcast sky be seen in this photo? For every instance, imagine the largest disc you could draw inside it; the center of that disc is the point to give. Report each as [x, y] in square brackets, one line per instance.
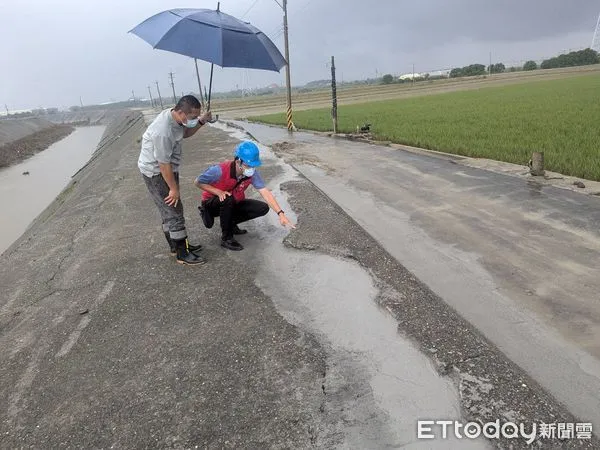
[54, 51]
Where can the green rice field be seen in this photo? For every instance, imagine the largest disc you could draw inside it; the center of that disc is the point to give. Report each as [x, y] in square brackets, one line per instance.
[559, 117]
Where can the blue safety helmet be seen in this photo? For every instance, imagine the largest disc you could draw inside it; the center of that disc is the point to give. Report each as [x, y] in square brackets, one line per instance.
[247, 152]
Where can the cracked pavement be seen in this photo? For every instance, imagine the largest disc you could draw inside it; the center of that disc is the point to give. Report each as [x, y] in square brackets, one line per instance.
[316, 338]
[511, 255]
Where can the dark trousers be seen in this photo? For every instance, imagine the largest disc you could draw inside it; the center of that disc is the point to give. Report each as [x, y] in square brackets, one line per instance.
[231, 212]
[173, 221]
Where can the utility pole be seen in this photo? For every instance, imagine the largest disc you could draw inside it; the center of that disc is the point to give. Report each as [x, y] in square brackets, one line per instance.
[290, 123]
[596, 39]
[80, 101]
[151, 99]
[133, 96]
[159, 97]
[413, 77]
[334, 97]
[490, 63]
[7, 112]
[173, 87]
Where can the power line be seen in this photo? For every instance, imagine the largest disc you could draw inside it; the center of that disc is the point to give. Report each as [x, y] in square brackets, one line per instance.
[250, 9]
[274, 30]
[277, 32]
[302, 8]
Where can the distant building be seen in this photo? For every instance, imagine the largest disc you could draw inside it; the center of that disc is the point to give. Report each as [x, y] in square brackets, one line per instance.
[409, 76]
[425, 75]
[16, 112]
[440, 73]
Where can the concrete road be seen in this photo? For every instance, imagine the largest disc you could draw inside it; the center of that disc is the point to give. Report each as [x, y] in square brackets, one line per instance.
[515, 258]
[293, 343]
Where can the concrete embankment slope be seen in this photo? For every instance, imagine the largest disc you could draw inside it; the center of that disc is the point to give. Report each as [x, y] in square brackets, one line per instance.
[91, 117]
[26, 137]
[122, 123]
[106, 341]
[14, 129]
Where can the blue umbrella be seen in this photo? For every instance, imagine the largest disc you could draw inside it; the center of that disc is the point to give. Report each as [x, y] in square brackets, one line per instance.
[211, 36]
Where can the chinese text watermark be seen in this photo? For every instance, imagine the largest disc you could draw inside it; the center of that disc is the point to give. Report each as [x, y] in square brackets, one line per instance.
[432, 429]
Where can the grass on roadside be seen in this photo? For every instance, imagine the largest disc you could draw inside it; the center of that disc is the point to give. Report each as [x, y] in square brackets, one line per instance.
[559, 117]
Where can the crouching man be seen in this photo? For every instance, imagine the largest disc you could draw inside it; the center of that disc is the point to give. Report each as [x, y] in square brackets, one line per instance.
[223, 196]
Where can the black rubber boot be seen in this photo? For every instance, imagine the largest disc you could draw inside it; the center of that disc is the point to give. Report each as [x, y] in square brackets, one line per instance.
[184, 256]
[192, 248]
[172, 245]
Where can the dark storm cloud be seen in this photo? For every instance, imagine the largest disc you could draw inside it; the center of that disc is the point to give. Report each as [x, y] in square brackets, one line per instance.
[51, 52]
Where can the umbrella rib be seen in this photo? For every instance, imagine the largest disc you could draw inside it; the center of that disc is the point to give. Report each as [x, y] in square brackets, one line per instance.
[168, 33]
[173, 27]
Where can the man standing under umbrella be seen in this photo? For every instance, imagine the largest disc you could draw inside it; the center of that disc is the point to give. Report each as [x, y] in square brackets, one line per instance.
[159, 161]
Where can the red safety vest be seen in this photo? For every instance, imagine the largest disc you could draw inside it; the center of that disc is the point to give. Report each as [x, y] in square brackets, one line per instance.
[228, 183]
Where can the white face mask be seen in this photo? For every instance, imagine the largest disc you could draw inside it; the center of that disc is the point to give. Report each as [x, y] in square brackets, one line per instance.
[191, 123]
[249, 172]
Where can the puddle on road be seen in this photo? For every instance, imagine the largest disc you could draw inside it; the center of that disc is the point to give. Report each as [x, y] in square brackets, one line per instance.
[24, 197]
[334, 300]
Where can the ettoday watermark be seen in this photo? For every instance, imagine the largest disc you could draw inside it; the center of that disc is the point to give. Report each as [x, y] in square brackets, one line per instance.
[434, 429]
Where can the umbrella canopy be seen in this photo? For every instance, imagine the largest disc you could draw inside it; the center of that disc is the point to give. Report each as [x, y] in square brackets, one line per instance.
[211, 36]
